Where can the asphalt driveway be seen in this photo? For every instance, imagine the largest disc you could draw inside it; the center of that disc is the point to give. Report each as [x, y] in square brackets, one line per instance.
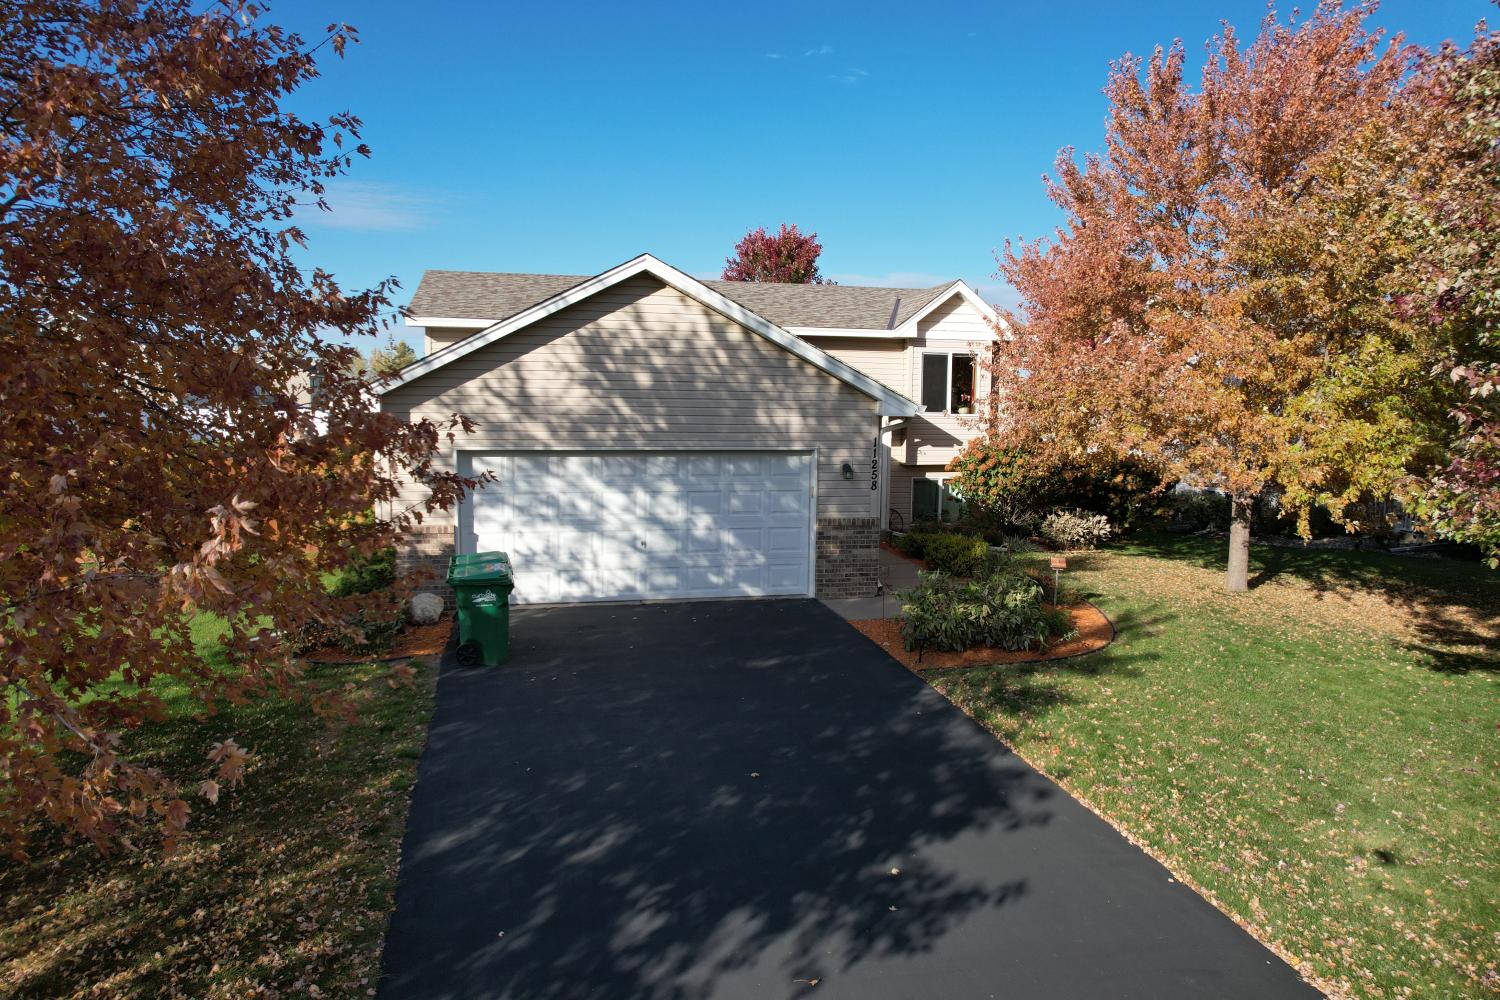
[749, 799]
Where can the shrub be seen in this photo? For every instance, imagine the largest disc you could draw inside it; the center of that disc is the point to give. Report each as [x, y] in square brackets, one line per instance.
[365, 574]
[1003, 610]
[957, 555]
[377, 633]
[1006, 489]
[1016, 544]
[1076, 529]
[913, 544]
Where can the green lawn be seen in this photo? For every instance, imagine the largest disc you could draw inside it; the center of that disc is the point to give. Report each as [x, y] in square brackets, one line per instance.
[282, 888]
[1319, 756]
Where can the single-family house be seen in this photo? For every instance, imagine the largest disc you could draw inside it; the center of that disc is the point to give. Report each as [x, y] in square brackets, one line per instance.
[654, 435]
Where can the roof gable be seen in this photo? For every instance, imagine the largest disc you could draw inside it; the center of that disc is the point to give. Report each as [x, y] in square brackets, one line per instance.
[891, 402]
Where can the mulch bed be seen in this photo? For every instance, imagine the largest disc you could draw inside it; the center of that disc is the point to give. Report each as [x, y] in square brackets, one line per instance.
[1095, 631]
[414, 641]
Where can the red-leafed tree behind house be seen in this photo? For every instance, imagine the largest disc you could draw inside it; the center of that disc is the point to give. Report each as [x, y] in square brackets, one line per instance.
[160, 461]
[788, 257]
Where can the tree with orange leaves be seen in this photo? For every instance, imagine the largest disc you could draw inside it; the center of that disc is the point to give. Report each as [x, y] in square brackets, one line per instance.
[159, 460]
[1217, 303]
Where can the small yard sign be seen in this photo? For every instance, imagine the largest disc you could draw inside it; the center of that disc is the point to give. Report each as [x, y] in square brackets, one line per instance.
[1059, 563]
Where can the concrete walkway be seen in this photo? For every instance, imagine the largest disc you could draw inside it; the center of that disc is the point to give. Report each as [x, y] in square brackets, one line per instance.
[897, 575]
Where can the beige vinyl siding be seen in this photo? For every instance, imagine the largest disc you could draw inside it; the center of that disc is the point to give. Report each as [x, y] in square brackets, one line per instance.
[641, 366]
[954, 320]
[439, 337]
[935, 438]
[883, 360]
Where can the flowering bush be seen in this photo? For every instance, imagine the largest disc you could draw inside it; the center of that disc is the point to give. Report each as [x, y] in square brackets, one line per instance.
[1076, 529]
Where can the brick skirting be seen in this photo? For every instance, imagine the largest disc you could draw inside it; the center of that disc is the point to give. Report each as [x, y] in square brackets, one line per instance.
[848, 556]
[423, 554]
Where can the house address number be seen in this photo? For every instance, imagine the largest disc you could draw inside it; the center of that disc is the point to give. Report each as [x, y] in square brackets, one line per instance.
[875, 465]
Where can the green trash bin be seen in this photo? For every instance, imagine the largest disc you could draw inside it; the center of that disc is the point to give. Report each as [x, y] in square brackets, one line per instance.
[482, 582]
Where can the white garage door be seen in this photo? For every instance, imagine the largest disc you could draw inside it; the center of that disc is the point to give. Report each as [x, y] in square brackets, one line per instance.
[605, 526]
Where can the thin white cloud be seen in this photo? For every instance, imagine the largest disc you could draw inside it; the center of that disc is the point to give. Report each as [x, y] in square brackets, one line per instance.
[821, 50]
[371, 206]
[774, 55]
[849, 76]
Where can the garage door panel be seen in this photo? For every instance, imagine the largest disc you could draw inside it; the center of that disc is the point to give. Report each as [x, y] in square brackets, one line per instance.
[738, 541]
[747, 467]
[526, 472]
[786, 576]
[624, 525]
[581, 506]
[575, 467]
[536, 547]
[663, 581]
[780, 541]
[787, 465]
[622, 470]
[746, 499]
[670, 505]
[702, 538]
[784, 501]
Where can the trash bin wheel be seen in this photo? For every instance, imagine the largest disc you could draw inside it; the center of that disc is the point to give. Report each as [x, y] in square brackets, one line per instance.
[469, 654]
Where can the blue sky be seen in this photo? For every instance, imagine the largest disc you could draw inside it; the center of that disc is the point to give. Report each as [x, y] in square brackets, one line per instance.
[567, 137]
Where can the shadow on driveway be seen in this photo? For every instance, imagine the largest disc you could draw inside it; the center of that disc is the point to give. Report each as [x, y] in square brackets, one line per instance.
[749, 799]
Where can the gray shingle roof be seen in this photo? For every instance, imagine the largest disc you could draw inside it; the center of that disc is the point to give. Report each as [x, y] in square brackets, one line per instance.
[485, 294]
[494, 296]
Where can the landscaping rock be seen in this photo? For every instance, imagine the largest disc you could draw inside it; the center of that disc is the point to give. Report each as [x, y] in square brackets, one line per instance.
[426, 609]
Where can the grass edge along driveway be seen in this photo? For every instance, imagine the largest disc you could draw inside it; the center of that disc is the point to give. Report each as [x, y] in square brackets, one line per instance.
[1319, 757]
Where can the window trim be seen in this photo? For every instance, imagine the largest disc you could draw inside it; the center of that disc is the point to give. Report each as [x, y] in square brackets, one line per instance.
[949, 409]
[944, 496]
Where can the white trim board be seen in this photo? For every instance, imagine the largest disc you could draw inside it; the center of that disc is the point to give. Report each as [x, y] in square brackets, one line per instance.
[451, 322]
[892, 403]
[836, 331]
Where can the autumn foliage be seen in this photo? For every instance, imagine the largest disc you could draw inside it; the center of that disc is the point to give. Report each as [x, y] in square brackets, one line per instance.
[1451, 219]
[1220, 301]
[176, 438]
[789, 256]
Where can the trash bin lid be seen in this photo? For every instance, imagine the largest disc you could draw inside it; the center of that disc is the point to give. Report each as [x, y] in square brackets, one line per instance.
[480, 567]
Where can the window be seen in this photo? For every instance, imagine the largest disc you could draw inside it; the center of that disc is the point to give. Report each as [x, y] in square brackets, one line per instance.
[948, 383]
[931, 500]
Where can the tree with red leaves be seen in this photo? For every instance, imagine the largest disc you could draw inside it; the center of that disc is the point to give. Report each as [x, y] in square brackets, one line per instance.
[789, 257]
[177, 435]
[1217, 304]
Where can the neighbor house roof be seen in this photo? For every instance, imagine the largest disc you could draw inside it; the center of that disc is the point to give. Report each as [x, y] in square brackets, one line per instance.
[481, 295]
[570, 290]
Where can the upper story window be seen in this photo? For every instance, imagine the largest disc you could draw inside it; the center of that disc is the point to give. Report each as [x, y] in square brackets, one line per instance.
[948, 382]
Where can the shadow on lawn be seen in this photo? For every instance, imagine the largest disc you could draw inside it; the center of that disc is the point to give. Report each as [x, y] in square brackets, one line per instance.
[1451, 602]
[304, 843]
[1452, 661]
[1014, 697]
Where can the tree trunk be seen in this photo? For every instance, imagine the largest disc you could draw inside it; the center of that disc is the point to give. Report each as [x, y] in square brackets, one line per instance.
[1237, 581]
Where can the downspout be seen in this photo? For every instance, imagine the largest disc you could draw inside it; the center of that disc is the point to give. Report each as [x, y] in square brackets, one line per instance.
[884, 498]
